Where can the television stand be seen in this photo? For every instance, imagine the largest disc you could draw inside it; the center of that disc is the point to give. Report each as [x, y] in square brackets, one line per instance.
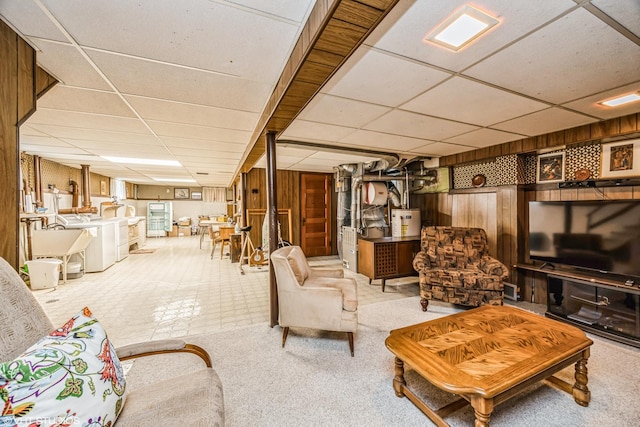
[547, 265]
[605, 307]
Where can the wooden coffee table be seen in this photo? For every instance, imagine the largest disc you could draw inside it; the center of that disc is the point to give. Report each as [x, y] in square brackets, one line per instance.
[487, 355]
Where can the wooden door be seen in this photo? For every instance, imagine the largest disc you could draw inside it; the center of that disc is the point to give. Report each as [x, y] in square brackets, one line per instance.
[316, 214]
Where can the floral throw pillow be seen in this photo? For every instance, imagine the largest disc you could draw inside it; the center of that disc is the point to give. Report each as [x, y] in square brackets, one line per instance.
[71, 377]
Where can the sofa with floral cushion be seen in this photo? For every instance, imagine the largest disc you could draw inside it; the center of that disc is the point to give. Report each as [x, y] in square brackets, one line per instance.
[71, 375]
[454, 266]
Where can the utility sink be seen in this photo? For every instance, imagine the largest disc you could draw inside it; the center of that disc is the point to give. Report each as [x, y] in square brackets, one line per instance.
[61, 244]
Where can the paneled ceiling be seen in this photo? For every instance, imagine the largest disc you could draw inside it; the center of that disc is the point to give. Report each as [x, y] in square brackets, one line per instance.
[189, 80]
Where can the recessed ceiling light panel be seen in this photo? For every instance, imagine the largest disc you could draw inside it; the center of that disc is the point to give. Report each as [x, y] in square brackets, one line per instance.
[461, 28]
[621, 100]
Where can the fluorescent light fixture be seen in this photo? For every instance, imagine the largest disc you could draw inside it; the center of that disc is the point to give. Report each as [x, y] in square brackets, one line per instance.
[174, 180]
[621, 100]
[130, 160]
[461, 28]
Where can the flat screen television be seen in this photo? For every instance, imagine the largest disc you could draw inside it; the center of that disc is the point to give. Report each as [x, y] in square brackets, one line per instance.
[599, 236]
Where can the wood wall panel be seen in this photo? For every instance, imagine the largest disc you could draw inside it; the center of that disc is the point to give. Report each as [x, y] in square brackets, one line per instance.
[9, 145]
[288, 198]
[26, 79]
[17, 87]
[477, 210]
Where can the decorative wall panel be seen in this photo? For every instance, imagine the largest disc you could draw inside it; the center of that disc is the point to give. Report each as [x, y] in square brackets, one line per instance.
[582, 157]
[501, 171]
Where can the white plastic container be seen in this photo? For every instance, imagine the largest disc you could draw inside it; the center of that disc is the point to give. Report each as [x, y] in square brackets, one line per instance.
[44, 273]
[74, 270]
[405, 222]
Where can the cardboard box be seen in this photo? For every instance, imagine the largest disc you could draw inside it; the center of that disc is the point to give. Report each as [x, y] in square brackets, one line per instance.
[173, 232]
[184, 231]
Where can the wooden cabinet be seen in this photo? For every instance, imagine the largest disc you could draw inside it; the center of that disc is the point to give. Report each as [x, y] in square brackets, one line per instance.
[387, 257]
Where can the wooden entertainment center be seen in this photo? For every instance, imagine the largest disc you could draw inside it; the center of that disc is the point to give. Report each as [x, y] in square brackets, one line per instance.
[597, 304]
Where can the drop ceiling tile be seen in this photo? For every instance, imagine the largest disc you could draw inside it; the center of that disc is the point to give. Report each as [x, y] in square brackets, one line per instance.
[626, 12]
[72, 119]
[545, 121]
[46, 150]
[76, 159]
[66, 63]
[169, 111]
[484, 138]
[566, 60]
[134, 151]
[409, 22]
[195, 33]
[464, 100]
[341, 111]
[415, 125]
[344, 157]
[179, 130]
[134, 76]
[73, 135]
[30, 19]
[294, 10]
[440, 149]
[205, 155]
[383, 141]
[292, 150]
[315, 132]
[196, 163]
[365, 77]
[41, 140]
[85, 100]
[590, 105]
[200, 144]
[26, 129]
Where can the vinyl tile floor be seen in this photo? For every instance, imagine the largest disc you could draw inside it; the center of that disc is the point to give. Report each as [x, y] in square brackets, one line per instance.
[179, 290]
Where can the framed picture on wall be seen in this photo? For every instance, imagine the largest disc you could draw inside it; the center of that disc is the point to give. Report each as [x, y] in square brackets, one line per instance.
[550, 167]
[103, 188]
[196, 195]
[620, 159]
[180, 193]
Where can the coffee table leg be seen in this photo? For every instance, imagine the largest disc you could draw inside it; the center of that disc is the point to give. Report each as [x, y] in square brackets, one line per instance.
[581, 393]
[482, 409]
[398, 380]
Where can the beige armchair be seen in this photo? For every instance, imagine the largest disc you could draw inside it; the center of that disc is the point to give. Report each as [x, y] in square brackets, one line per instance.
[313, 297]
[185, 399]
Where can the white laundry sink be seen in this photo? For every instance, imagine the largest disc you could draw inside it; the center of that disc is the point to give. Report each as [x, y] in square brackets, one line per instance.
[61, 244]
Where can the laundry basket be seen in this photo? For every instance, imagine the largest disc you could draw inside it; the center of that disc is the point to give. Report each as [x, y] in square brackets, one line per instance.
[44, 273]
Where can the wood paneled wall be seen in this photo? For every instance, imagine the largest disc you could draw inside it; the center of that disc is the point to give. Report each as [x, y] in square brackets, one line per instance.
[18, 90]
[288, 198]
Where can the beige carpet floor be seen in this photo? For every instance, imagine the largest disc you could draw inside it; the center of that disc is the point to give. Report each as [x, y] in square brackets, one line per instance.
[313, 381]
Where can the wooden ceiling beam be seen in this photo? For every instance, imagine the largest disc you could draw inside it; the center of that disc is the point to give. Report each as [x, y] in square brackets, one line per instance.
[334, 30]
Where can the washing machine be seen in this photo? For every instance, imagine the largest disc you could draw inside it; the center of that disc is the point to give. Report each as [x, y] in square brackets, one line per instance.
[101, 252]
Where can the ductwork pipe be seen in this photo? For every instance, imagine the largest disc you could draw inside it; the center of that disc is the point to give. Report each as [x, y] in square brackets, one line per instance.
[86, 187]
[394, 195]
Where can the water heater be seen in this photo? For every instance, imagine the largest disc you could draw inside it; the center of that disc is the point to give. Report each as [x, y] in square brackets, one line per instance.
[405, 222]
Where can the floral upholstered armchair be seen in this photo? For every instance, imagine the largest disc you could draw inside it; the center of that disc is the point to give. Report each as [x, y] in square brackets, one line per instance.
[455, 266]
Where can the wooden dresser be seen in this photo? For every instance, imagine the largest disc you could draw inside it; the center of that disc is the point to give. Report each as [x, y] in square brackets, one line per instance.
[387, 257]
